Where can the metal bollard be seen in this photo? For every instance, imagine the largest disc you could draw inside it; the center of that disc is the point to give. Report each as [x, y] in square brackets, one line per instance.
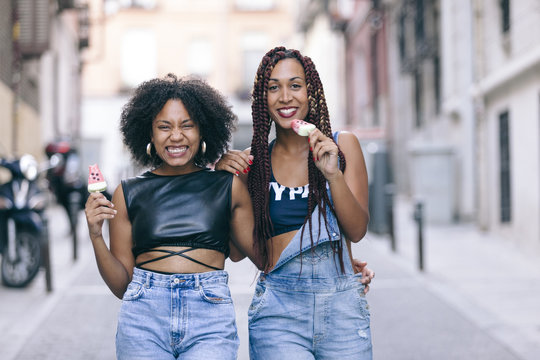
[46, 254]
[389, 191]
[418, 217]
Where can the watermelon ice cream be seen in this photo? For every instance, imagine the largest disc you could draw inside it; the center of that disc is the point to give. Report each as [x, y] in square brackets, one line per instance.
[96, 182]
[301, 127]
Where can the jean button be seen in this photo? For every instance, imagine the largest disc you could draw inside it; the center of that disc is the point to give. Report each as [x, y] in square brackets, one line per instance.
[176, 280]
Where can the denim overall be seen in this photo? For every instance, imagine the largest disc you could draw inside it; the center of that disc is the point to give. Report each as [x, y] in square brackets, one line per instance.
[305, 307]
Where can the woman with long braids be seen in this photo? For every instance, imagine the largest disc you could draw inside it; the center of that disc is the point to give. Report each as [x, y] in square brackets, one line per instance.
[310, 201]
[170, 227]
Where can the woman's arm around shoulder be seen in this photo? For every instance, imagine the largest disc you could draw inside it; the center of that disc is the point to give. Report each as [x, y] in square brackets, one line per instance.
[242, 222]
[115, 264]
[235, 161]
[352, 211]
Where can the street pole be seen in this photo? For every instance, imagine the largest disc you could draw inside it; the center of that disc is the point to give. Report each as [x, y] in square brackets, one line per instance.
[418, 217]
[16, 70]
[389, 196]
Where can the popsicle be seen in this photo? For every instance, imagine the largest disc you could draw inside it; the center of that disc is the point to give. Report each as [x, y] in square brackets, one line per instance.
[302, 127]
[96, 182]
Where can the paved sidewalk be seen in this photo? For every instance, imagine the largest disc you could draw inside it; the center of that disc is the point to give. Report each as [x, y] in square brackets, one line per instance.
[487, 279]
[477, 299]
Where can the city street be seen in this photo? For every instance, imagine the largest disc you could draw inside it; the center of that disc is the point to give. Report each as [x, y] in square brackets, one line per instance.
[414, 315]
[442, 96]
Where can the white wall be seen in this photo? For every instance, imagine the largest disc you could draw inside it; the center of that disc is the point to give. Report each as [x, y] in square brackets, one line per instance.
[521, 97]
[101, 124]
[327, 50]
[511, 81]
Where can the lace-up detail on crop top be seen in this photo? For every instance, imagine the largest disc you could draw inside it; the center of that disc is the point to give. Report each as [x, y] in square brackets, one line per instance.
[191, 210]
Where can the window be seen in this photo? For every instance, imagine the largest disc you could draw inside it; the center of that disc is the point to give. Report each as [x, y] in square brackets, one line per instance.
[418, 94]
[259, 5]
[360, 90]
[138, 62]
[143, 4]
[34, 25]
[505, 15]
[200, 57]
[113, 6]
[504, 149]
[419, 21]
[437, 82]
[253, 50]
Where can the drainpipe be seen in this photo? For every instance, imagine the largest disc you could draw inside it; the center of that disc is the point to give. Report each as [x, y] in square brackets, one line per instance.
[16, 71]
[478, 62]
[375, 26]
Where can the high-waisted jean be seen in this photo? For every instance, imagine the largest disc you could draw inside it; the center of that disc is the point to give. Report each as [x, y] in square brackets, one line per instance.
[185, 316]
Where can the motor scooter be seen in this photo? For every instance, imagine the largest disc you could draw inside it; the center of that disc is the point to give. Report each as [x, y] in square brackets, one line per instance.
[67, 183]
[23, 231]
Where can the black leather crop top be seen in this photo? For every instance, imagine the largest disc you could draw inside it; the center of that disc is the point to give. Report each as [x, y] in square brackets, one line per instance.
[192, 210]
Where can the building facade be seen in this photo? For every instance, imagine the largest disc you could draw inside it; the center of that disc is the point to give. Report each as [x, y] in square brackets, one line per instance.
[507, 103]
[221, 41]
[453, 88]
[41, 41]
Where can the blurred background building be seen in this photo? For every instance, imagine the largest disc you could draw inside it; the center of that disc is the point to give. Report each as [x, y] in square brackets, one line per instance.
[221, 41]
[40, 70]
[444, 95]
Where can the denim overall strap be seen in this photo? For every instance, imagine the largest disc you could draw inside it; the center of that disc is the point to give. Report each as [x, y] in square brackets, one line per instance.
[293, 248]
[333, 233]
[335, 135]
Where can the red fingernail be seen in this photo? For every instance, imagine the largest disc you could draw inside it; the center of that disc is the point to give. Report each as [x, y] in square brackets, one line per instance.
[250, 162]
[245, 171]
[237, 173]
[248, 168]
[310, 148]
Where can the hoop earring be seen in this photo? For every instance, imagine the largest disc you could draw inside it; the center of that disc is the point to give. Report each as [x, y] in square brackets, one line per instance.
[203, 147]
[149, 149]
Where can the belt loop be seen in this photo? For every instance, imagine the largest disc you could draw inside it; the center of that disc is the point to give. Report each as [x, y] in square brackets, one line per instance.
[148, 277]
[197, 282]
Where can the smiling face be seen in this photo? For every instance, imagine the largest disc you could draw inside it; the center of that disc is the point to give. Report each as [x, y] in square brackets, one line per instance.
[287, 93]
[176, 138]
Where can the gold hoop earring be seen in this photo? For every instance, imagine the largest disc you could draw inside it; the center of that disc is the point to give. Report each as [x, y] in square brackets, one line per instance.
[149, 149]
[203, 147]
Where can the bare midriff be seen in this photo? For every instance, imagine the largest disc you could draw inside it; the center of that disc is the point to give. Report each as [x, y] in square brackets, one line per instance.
[180, 265]
[277, 245]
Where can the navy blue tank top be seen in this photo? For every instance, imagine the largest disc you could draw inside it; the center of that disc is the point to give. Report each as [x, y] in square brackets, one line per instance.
[288, 206]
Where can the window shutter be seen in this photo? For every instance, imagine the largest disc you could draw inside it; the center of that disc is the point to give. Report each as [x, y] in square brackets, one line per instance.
[34, 21]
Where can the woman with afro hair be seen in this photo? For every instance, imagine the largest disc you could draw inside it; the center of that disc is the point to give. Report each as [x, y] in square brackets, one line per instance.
[170, 227]
[310, 201]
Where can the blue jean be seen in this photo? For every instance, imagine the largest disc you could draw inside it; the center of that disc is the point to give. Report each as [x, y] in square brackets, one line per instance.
[187, 316]
[307, 309]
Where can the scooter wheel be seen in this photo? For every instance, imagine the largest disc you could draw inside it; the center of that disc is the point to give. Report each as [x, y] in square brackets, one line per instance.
[21, 270]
